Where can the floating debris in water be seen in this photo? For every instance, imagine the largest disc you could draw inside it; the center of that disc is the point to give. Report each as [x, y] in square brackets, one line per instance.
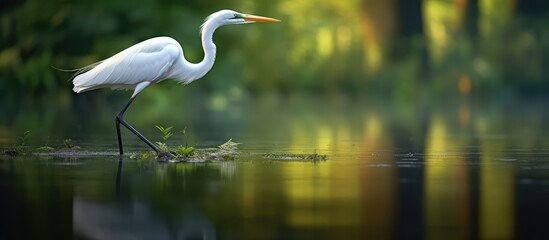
[379, 165]
[11, 152]
[65, 152]
[296, 157]
[44, 149]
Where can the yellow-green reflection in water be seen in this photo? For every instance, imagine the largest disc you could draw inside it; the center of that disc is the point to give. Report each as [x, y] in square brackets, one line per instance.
[460, 171]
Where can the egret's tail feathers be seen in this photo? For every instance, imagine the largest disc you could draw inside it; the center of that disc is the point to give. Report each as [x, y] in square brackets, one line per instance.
[78, 71]
[85, 69]
[79, 89]
[79, 78]
[65, 70]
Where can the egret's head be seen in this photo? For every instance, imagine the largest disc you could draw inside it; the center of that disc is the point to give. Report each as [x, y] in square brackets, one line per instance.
[225, 17]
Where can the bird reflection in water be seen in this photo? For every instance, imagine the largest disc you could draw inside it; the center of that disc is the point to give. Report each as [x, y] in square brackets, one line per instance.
[135, 219]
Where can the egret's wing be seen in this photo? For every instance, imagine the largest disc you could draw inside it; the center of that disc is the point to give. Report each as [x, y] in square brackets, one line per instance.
[150, 60]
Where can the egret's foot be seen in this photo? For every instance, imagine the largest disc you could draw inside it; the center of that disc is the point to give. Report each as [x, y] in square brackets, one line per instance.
[165, 156]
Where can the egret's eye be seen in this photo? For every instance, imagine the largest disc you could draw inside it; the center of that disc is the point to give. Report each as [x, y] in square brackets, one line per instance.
[237, 16]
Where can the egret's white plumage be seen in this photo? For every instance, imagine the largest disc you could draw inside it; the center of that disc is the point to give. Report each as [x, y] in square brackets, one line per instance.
[154, 60]
[151, 60]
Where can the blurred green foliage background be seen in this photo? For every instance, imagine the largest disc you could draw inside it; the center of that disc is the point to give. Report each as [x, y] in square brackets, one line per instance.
[394, 49]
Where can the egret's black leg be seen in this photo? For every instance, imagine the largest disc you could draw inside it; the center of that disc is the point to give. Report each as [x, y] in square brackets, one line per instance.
[119, 137]
[120, 120]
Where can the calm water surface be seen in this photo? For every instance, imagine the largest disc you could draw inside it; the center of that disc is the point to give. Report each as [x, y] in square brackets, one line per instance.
[453, 172]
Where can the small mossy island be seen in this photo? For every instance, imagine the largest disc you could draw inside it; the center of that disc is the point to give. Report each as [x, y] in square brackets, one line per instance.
[184, 153]
[224, 152]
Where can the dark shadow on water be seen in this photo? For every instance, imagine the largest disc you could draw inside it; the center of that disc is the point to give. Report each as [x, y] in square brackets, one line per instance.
[119, 176]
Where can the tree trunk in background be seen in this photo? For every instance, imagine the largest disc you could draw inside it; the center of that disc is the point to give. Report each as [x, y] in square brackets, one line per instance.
[536, 64]
[532, 8]
[471, 20]
[410, 14]
[411, 34]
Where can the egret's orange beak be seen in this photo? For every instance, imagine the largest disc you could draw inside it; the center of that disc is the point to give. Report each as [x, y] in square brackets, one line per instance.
[254, 18]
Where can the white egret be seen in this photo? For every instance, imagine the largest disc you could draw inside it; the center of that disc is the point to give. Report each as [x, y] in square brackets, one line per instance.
[155, 60]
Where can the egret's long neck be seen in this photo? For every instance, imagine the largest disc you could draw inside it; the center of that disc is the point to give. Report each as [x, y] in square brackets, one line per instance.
[209, 49]
[193, 71]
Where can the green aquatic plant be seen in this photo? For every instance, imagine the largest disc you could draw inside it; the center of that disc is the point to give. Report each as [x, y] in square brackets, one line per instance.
[179, 152]
[163, 146]
[68, 143]
[22, 140]
[184, 131]
[166, 132]
[182, 151]
[20, 147]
